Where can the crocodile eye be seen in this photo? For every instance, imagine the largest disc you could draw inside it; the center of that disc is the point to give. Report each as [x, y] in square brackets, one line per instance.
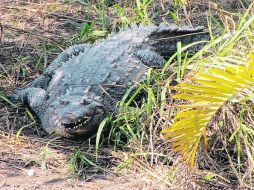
[64, 102]
[85, 102]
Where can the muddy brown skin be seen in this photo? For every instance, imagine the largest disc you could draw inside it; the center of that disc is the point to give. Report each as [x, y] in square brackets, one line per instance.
[83, 84]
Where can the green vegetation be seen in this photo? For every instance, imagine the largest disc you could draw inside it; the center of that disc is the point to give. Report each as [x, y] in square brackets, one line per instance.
[213, 86]
[205, 120]
[4, 98]
[78, 163]
[223, 72]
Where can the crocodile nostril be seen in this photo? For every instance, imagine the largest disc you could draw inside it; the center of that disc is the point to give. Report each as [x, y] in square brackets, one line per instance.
[64, 102]
[70, 115]
[85, 102]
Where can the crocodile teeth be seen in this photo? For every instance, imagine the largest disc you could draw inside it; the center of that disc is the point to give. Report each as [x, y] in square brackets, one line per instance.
[78, 124]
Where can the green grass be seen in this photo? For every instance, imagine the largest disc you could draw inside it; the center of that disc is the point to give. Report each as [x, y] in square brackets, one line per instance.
[79, 162]
[145, 110]
[102, 7]
[4, 98]
[136, 127]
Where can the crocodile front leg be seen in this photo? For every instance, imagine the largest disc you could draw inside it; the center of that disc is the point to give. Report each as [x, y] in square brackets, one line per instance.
[34, 97]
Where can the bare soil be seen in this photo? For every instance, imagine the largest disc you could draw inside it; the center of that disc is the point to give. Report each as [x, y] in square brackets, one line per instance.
[27, 28]
[32, 35]
[18, 178]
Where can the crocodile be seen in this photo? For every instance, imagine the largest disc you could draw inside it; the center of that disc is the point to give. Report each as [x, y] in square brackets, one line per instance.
[82, 86]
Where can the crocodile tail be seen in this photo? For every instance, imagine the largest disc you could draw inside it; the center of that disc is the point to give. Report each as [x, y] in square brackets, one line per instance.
[166, 46]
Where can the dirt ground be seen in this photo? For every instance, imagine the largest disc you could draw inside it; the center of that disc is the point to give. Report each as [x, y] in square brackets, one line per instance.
[27, 28]
[17, 178]
[32, 33]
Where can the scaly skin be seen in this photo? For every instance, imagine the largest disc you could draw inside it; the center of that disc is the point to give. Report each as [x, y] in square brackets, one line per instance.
[81, 87]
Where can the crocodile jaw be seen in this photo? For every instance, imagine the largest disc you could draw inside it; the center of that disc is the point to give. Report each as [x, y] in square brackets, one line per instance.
[74, 119]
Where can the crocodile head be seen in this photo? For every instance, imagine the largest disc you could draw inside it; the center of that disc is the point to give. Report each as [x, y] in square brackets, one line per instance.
[74, 115]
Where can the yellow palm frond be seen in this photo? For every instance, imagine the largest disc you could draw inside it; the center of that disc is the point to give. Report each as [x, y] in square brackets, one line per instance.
[206, 93]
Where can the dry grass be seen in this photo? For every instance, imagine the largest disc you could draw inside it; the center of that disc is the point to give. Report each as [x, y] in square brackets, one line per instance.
[33, 33]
